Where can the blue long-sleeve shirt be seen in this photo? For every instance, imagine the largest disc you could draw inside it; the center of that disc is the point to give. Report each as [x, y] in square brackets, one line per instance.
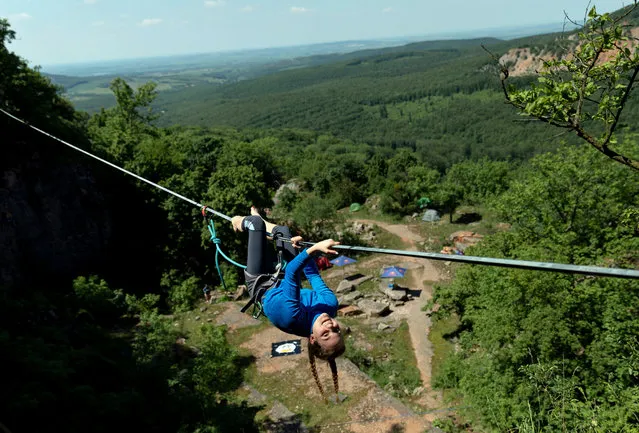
[293, 309]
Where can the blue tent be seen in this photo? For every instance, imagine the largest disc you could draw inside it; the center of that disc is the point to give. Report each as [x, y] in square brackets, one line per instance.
[393, 272]
[342, 261]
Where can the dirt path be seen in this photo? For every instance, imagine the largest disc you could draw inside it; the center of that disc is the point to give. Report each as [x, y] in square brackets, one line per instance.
[400, 230]
[418, 322]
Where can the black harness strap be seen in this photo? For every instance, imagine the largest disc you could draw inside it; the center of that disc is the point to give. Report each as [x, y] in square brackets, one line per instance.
[265, 282]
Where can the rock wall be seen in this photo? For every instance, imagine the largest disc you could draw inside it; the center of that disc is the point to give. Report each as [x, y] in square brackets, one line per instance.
[52, 222]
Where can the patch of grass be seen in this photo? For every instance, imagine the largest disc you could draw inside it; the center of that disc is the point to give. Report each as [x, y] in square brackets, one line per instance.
[384, 239]
[388, 358]
[441, 346]
[312, 411]
[370, 286]
[189, 327]
[366, 213]
[241, 335]
[436, 233]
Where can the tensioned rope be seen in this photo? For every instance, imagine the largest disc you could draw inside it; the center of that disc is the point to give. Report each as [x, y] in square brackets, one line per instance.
[509, 263]
[506, 263]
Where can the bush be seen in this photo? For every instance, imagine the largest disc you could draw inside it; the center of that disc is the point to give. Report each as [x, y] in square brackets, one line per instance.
[182, 294]
[95, 296]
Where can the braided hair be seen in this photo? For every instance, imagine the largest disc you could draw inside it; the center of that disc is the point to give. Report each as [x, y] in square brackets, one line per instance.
[316, 351]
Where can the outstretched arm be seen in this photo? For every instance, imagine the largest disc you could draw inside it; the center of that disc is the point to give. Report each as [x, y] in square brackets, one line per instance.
[314, 277]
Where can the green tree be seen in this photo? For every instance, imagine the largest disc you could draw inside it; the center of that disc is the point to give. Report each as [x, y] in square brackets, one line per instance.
[120, 129]
[315, 217]
[542, 351]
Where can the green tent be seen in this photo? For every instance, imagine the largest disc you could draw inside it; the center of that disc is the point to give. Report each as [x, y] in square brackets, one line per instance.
[423, 202]
[355, 207]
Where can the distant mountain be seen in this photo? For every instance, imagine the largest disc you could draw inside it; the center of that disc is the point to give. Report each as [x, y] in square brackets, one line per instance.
[267, 55]
[215, 59]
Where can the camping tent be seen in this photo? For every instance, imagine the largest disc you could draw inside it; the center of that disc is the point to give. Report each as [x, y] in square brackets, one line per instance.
[431, 215]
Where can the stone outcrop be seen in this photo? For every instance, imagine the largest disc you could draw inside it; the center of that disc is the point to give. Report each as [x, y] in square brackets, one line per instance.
[349, 298]
[351, 310]
[373, 308]
[53, 220]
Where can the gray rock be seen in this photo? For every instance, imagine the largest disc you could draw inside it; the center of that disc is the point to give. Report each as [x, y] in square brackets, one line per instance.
[381, 326]
[351, 310]
[372, 308]
[197, 317]
[351, 297]
[361, 280]
[394, 294]
[345, 286]
[202, 310]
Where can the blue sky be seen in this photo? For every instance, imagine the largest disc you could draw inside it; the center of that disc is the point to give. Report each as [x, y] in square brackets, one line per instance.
[69, 31]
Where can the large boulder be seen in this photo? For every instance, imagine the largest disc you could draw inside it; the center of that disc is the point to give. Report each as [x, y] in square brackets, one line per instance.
[351, 310]
[372, 308]
[349, 298]
[395, 294]
[293, 186]
[345, 286]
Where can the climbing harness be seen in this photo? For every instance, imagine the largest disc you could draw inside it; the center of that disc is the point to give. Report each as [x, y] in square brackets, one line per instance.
[262, 284]
[265, 282]
[509, 263]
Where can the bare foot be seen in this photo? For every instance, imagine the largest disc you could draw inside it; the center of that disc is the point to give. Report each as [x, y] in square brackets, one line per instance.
[269, 225]
[236, 221]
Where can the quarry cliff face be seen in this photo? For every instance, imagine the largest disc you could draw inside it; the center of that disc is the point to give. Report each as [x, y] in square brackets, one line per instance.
[52, 223]
[529, 61]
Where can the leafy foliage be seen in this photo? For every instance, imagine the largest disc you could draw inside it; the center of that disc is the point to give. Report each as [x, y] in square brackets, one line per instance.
[543, 351]
[587, 91]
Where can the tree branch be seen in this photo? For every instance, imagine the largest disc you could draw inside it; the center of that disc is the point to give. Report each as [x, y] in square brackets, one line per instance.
[622, 104]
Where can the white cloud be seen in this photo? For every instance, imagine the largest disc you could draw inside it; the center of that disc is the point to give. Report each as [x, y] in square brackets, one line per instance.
[387, 10]
[247, 9]
[214, 3]
[150, 22]
[97, 23]
[90, 2]
[20, 17]
[299, 10]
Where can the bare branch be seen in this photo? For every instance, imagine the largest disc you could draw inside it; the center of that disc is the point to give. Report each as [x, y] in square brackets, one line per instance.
[622, 104]
[503, 75]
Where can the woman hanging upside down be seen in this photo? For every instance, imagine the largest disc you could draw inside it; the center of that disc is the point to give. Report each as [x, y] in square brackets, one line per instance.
[302, 312]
